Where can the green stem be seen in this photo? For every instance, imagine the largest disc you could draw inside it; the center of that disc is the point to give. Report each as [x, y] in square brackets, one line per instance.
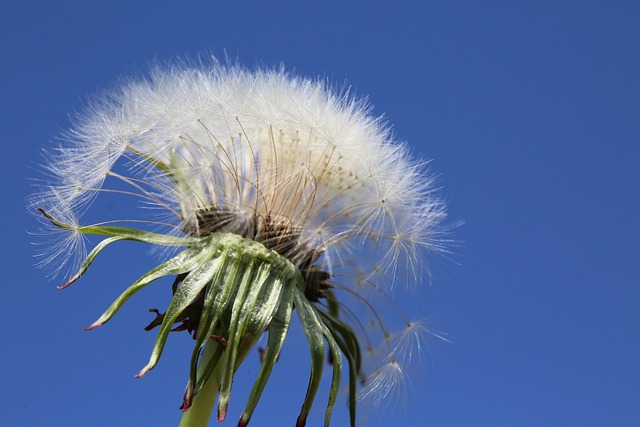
[202, 407]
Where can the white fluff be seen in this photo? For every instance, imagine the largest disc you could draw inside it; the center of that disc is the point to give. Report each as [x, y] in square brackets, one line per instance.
[262, 142]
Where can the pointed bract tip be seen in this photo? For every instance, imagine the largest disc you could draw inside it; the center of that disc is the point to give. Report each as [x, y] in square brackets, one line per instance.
[92, 326]
[70, 282]
[301, 421]
[186, 403]
[46, 215]
[142, 372]
[222, 413]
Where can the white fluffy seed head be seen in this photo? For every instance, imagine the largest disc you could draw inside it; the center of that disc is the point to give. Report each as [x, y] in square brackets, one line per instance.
[262, 145]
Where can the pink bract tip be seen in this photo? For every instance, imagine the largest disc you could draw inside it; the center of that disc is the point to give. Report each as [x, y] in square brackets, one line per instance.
[92, 326]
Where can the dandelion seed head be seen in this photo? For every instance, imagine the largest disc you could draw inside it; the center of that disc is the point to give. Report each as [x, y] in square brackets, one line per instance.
[260, 144]
[283, 161]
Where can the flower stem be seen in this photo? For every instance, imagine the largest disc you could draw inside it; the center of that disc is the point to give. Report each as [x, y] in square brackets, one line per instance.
[202, 407]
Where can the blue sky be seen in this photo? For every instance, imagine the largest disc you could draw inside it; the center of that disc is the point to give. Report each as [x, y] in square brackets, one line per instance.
[530, 112]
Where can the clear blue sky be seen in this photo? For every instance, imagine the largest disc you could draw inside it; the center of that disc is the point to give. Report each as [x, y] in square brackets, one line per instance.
[530, 112]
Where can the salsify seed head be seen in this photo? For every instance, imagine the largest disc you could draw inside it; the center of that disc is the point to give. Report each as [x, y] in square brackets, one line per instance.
[238, 165]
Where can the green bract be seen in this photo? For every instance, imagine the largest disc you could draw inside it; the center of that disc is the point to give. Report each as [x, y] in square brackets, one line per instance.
[233, 289]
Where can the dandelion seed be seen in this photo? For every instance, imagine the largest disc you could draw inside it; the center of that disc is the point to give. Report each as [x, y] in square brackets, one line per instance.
[277, 195]
[386, 386]
[410, 345]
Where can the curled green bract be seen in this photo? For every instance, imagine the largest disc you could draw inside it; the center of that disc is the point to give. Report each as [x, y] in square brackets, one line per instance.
[228, 291]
